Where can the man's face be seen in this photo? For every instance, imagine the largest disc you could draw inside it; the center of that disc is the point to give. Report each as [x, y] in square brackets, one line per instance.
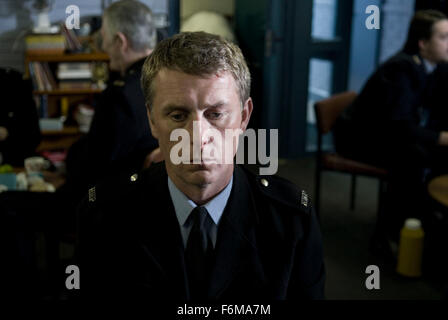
[436, 48]
[110, 46]
[212, 102]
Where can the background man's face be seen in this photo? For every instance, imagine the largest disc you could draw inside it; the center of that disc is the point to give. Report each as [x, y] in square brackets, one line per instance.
[436, 48]
[213, 102]
[109, 46]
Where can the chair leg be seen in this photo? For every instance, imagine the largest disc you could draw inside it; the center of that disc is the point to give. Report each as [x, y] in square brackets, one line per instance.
[353, 192]
[380, 243]
[317, 192]
[380, 232]
[381, 194]
[380, 228]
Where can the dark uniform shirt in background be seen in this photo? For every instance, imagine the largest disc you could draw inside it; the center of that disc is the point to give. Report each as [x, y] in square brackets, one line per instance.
[391, 114]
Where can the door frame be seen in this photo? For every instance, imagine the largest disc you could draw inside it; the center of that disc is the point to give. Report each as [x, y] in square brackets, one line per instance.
[287, 99]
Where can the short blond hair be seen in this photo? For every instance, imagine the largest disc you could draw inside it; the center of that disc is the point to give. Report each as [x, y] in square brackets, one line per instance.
[196, 53]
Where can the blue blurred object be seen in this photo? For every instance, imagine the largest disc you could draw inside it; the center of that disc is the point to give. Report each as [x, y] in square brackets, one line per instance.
[9, 180]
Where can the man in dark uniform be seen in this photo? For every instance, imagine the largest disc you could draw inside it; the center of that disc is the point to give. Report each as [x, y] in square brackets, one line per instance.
[19, 122]
[394, 121]
[199, 232]
[119, 138]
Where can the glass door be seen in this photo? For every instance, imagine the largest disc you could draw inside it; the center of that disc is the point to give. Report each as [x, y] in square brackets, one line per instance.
[328, 60]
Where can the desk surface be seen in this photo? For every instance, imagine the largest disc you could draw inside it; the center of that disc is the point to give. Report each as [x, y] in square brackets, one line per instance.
[438, 189]
[55, 178]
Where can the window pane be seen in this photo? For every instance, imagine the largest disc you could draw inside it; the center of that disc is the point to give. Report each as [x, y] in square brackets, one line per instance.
[324, 19]
[320, 87]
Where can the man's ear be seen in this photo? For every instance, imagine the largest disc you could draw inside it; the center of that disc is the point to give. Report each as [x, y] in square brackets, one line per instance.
[246, 113]
[422, 44]
[152, 126]
[122, 41]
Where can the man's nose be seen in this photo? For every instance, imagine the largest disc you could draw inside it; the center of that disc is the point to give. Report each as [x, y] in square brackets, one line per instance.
[201, 125]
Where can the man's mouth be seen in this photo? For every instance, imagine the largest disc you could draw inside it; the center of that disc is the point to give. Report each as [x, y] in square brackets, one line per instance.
[204, 161]
[199, 167]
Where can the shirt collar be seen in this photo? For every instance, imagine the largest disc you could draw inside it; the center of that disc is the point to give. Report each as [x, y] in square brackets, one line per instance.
[429, 66]
[183, 206]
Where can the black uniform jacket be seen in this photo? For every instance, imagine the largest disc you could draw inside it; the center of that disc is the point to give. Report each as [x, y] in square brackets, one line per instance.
[119, 137]
[268, 246]
[390, 111]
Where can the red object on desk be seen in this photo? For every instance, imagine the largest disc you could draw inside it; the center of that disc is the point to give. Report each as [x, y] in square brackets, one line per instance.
[55, 157]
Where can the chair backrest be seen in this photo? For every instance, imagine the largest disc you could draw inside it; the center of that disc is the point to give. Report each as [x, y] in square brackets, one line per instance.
[328, 110]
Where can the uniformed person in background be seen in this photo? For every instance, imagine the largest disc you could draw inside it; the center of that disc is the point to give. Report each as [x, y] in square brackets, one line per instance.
[19, 137]
[19, 121]
[119, 138]
[396, 121]
[201, 232]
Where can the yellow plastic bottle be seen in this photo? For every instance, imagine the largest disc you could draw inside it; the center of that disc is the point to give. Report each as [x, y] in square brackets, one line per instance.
[410, 250]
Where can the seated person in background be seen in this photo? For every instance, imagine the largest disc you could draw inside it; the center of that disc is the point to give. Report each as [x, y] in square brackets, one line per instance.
[393, 123]
[119, 138]
[19, 121]
[208, 231]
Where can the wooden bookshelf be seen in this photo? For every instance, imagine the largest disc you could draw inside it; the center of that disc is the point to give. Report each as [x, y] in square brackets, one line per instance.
[59, 139]
[63, 139]
[67, 57]
[68, 92]
[70, 130]
[59, 143]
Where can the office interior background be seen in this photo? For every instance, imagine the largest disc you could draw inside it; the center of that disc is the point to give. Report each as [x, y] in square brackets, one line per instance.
[299, 52]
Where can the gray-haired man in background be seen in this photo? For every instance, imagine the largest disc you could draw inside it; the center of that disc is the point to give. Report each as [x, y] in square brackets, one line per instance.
[119, 138]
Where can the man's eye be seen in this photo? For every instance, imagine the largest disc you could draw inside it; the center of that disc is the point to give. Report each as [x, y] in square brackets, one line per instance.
[215, 115]
[178, 116]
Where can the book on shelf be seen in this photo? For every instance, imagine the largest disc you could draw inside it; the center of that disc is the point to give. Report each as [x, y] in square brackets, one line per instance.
[41, 76]
[43, 106]
[71, 40]
[65, 66]
[74, 74]
[33, 76]
[49, 75]
[68, 75]
[44, 44]
[51, 123]
[74, 70]
[75, 84]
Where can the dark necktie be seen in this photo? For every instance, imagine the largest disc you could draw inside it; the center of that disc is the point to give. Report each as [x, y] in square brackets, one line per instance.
[197, 255]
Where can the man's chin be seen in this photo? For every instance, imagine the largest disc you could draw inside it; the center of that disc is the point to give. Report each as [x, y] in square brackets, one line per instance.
[199, 174]
[200, 177]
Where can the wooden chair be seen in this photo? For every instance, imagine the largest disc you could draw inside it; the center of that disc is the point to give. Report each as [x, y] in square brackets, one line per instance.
[327, 111]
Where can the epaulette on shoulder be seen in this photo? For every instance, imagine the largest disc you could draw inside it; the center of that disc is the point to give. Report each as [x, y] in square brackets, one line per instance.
[285, 192]
[119, 83]
[111, 188]
[416, 59]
